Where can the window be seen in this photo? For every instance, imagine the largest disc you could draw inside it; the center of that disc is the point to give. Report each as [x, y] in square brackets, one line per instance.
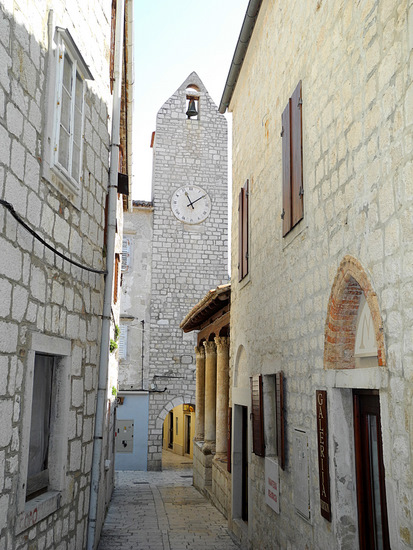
[257, 414]
[273, 412]
[123, 341]
[243, 231]
[292, 162]
[38, 472]
[44, 438]
[71, 73]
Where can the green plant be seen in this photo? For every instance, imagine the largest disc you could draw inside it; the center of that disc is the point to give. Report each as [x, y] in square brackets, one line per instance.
[113, 345]
[117, 332]
[114, 391]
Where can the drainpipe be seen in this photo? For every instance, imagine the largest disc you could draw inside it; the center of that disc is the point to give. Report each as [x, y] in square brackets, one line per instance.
[108, 292]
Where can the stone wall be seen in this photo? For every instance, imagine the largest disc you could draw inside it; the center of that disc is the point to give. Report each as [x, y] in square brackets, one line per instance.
[136, 295]
[221, 487]
[202, 468]
[47, 304]
[355, 64]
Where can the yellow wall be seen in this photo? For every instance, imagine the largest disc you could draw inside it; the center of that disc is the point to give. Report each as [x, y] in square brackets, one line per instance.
[179, 431]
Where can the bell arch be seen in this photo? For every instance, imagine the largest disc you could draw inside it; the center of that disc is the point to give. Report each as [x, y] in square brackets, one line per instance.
[350, 285]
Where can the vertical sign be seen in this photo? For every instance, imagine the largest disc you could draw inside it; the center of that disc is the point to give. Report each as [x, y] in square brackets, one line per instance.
[322, 436]
[272, 491]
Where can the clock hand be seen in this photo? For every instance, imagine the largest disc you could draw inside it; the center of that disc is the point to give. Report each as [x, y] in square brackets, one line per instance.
[190, 202]
[198, 199]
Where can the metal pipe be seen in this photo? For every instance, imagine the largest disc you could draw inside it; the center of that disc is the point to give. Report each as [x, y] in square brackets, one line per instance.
[239, 54]
[108, 292]
[143, 342]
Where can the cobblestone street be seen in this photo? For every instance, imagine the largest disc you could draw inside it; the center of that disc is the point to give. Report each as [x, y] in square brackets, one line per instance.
[163, 511]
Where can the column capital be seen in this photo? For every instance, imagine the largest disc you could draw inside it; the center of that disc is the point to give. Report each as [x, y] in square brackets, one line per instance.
[210, 348]
[222, 343]
[200, 351]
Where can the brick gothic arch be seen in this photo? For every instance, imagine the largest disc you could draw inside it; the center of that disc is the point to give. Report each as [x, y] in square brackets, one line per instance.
[340, 330]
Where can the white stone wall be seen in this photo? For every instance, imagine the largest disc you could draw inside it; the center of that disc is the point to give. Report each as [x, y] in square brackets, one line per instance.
[355, 64]
[40, 292]
[136, 295]
[187, 260]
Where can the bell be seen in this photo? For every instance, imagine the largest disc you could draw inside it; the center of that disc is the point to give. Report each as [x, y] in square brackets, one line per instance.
[191, 108]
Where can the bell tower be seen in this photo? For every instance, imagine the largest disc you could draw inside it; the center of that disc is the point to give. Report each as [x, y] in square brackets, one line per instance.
[189, 243]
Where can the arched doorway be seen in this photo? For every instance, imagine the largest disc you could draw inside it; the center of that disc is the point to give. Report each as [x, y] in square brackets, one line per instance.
[177, 433]
[354, 340]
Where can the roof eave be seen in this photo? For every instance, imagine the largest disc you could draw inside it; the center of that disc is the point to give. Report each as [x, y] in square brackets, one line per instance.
[194, 319]
[240, 52]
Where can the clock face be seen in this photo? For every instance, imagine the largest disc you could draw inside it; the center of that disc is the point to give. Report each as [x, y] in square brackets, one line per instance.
[191, 204]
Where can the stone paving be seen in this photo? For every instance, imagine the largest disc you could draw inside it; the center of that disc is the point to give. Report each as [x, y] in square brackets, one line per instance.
[163, 511]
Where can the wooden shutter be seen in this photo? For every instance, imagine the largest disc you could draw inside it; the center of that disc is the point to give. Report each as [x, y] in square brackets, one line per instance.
[240, 245]
[105, 229]
[279, 407]
[296, 156]
[286, 165]
[116, 279]
[229, 439]
[245, 250]
[258, 446]
[243, 231]
[112, 45]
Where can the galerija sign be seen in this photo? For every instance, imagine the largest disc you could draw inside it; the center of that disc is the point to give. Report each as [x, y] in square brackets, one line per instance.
[322, 436]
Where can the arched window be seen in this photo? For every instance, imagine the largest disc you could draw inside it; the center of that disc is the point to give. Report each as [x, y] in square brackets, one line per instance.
[354, 328]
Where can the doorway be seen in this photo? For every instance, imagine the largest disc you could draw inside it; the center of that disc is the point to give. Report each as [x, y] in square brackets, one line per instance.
[240, 463]
[187, 434]
[371, 491]
[171, 430]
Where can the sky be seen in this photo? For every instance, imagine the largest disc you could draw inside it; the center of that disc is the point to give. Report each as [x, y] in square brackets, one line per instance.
[173, 38]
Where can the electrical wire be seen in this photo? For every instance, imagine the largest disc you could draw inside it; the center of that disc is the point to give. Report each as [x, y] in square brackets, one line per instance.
[12, 211]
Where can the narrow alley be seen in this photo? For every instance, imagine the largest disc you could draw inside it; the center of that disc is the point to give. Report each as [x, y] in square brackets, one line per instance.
[163, 511]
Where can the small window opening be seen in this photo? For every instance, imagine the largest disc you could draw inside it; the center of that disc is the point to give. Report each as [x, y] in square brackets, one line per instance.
[192, 102]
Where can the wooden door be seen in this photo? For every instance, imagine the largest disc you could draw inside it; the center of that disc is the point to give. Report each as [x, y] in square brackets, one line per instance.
[371, 491]
[244, 464]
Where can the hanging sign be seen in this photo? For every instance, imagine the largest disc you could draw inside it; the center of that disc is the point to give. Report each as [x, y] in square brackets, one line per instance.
[322, 437]
[272, 482]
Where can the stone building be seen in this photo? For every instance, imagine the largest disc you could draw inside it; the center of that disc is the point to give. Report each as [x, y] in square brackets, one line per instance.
[321, 96]
[187, 224]
[63, 115]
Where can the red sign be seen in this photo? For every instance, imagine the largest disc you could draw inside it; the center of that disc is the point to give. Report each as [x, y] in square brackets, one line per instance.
[322, 437]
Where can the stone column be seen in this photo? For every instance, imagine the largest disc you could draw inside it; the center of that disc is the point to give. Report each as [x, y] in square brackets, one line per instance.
[200, 393]
[222, 344]
[210, 395]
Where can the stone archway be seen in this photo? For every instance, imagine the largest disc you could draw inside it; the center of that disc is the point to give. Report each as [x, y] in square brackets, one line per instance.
[350, 283]
[179, 400]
